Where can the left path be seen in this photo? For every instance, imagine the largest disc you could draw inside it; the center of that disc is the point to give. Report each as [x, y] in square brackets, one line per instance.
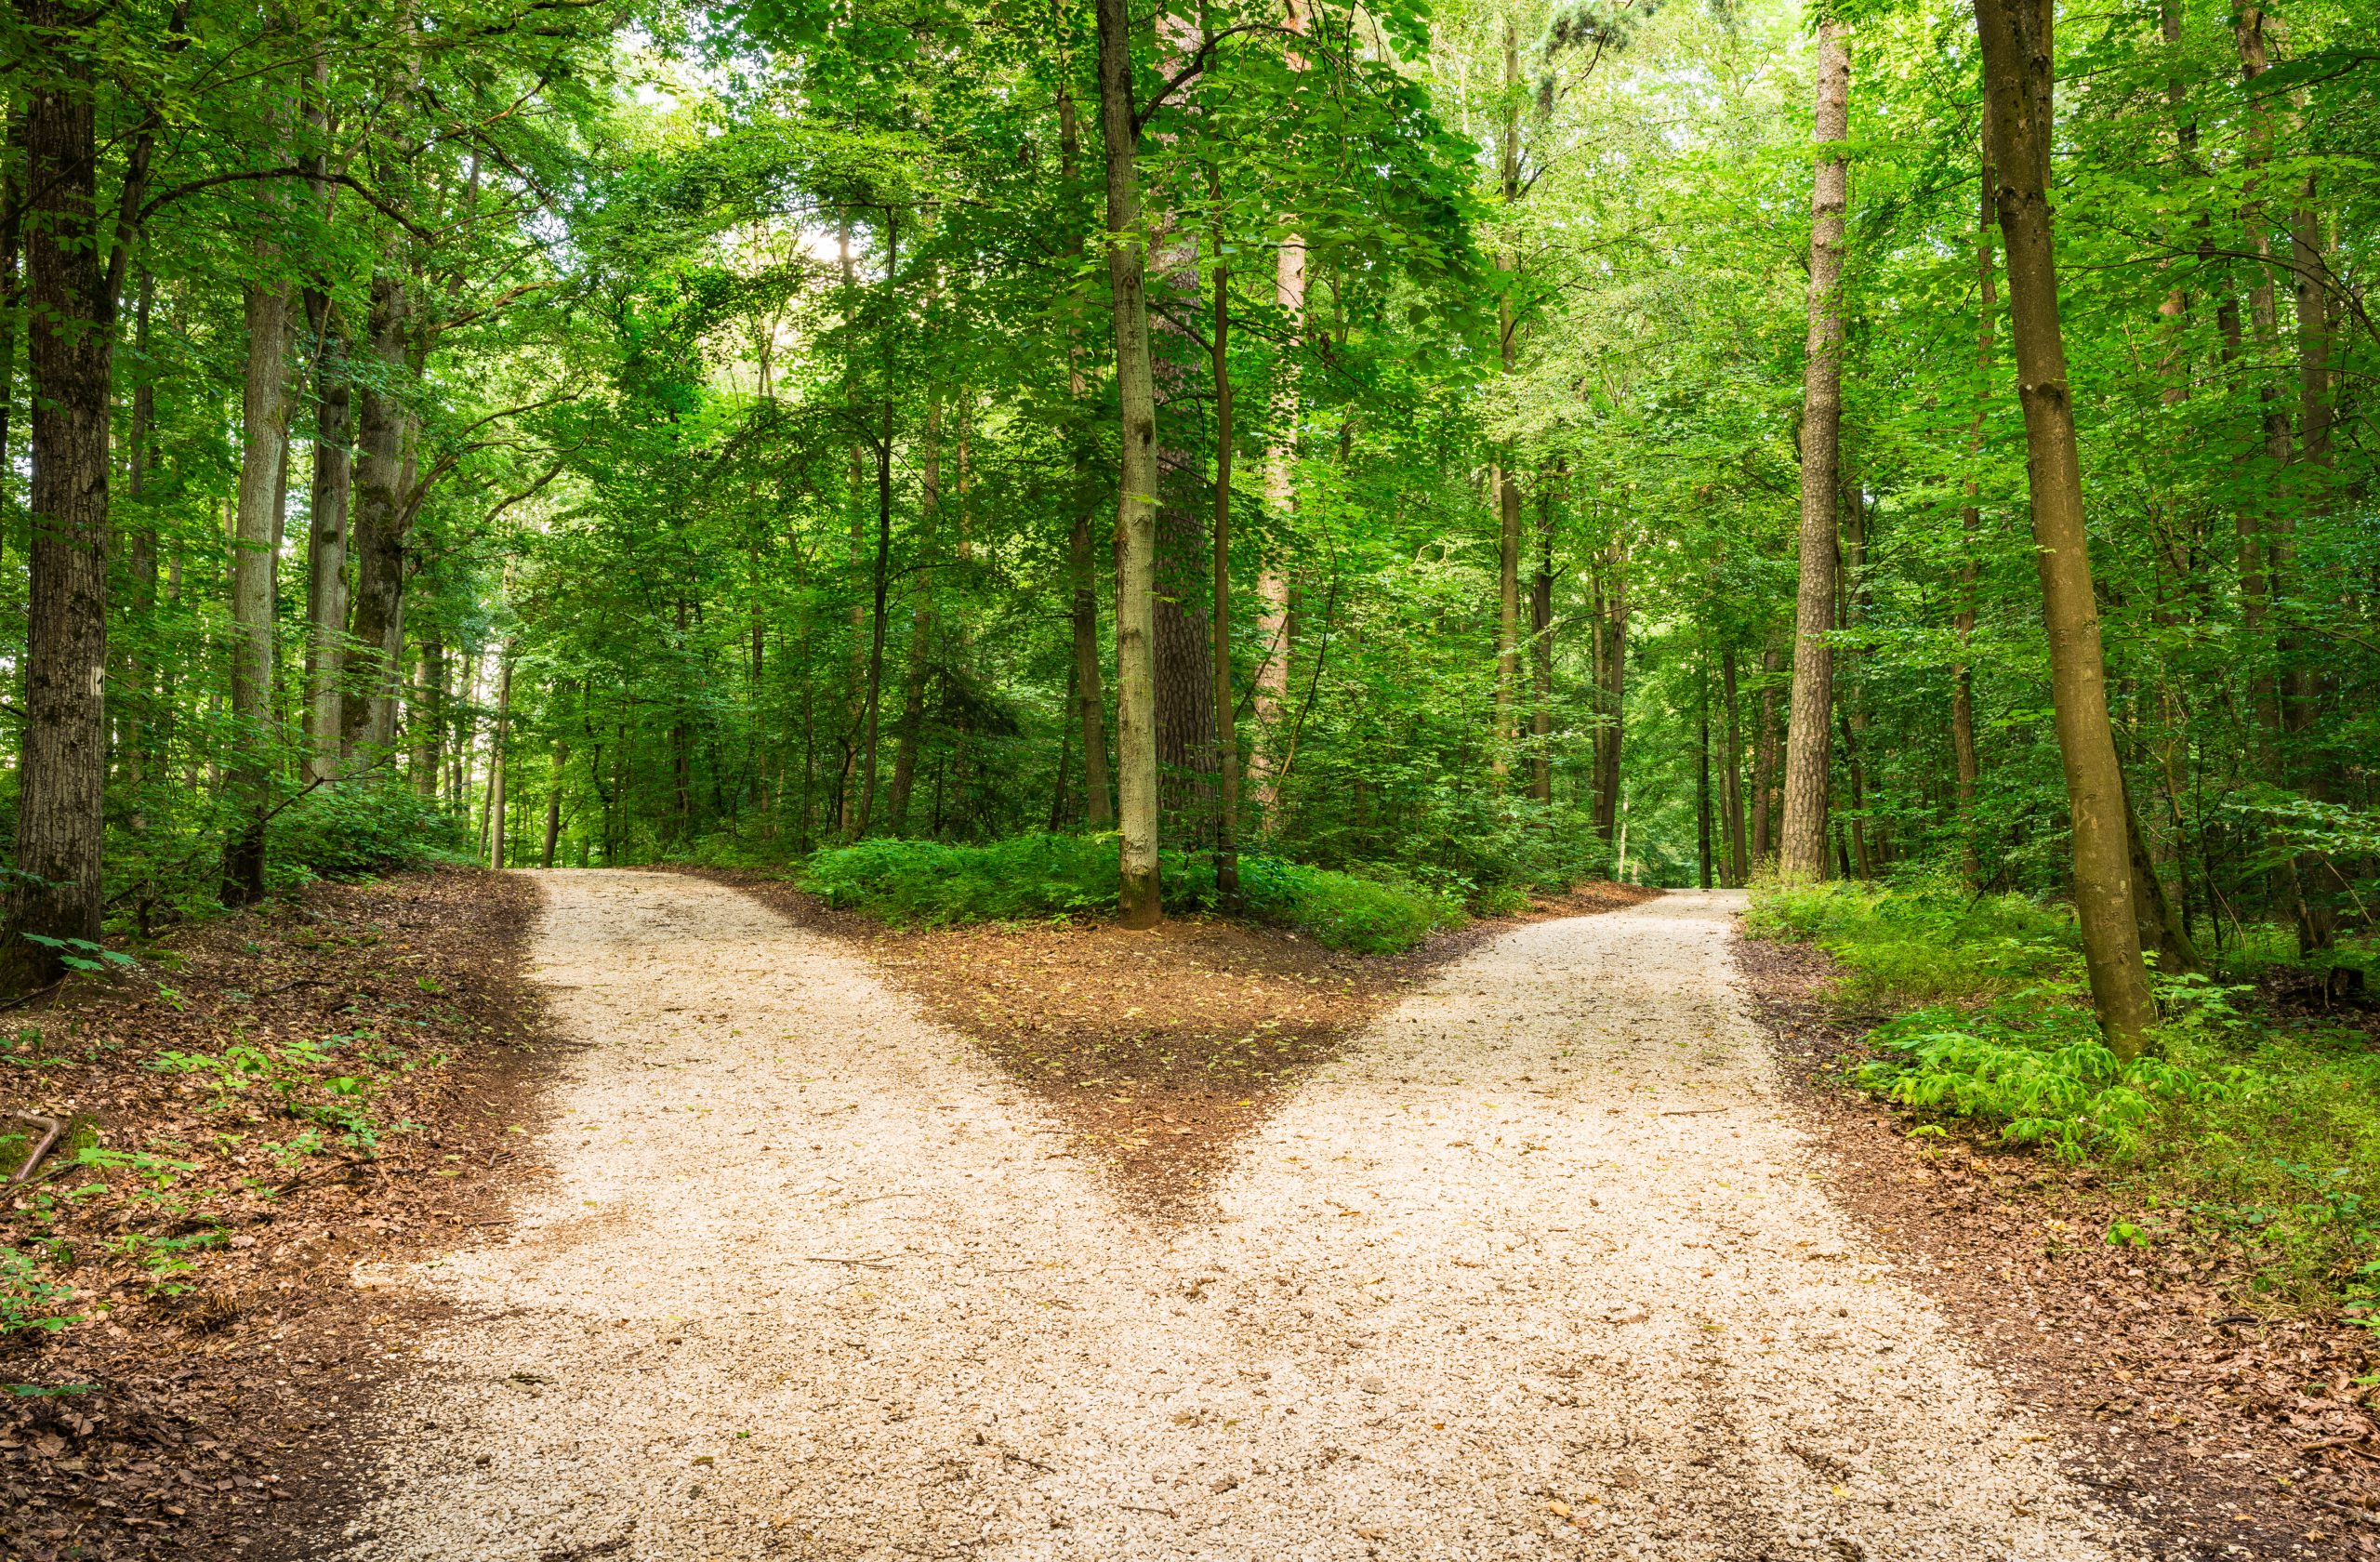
[776, 1191]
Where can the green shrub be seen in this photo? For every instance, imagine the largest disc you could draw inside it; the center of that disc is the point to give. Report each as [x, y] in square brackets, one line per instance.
[355, 828]
[2240, 1125]
[28, 1301]
[1038, 877]
[1928, 942]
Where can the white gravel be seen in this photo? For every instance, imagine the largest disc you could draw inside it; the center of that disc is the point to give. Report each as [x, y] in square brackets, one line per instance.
[813, 1280]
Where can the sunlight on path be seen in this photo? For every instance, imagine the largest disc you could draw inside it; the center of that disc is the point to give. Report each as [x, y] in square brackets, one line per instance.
[1539, 1269]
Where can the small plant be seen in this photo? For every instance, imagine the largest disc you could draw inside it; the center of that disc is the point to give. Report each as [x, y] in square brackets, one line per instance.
[81, 954]
[165, 1258]
[28, 1301]
[298, 1073]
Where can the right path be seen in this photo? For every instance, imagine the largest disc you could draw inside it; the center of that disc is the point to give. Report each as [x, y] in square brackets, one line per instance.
[1546, 1250]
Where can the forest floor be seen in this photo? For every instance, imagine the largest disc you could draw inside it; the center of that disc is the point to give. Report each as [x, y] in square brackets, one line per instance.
[199, 1412]
[738, 1234]
[1540, 1264]
[2241, 1433]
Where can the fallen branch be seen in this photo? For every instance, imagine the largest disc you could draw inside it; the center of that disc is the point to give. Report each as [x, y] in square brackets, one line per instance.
[55, 1127]
[22, 998]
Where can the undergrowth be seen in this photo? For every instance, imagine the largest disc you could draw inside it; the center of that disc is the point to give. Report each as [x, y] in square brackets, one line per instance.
[1033, 878]
[2235, 1124]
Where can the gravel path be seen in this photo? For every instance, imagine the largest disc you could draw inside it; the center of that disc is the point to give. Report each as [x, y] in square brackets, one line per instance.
[1540, 1268]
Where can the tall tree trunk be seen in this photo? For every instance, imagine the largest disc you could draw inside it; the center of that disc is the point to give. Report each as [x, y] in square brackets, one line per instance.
[1731, 783]
[264, 425]
[1225, 710]
[1963, 748]
[1611, 683]
[1767, 757]
[913, 688]
[1136, 499]
[1702, 855]
[2316, 908]
[1091, 699]
[1850, 710]
[2156, 915]
[1280, 499]
[553, 803]
[141, 547]
[496, 758]
[62, 766]
[1541, 624]
[1802, 853]
[12, 144]
[881, 574]
[2017, 37]
[327, 545]
[1508, 493]
[430, 733]
[2262, 547]
[380, 516]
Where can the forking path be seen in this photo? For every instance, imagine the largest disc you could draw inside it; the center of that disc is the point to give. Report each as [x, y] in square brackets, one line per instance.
[1541, 1267]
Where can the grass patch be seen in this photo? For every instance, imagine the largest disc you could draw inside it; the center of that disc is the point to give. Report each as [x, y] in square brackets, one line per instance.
[1035, 878]
[2238, 1123]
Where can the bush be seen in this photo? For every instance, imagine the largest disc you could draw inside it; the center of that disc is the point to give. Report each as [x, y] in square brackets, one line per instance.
[347, 831]
[2242, 1126]
[1922, 943]
[1039, 876]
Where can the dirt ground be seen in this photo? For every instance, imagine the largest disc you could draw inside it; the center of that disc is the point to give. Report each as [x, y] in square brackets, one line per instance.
[2238, 1433]
[212, 1415]
[198, 1416]
[1538, 1265]
[1161, 1049]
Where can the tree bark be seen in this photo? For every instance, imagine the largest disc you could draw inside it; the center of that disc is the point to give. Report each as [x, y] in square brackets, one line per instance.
[12, 141]
[2017, 38]
[880, 575]
[1702, 789]
[1541, 623]
[327, 545]
[264, 425]
[2262, 549]
[1091, 699]
[1508, 493]
[430, 733]
[553, 803]
[1767, 803]
[913, 690]
[141, 547]
[1136, 497]
[1611, 683]
[1802, 853]
[496, 760]
[70, 336]
[380, 516]
[2316, 908]
[1963, 748]
[1225, 710]
[1731, 779]
[1280, 499]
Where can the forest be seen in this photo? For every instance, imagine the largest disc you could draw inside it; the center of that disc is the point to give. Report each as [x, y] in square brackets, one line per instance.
[1351, 472]
[1579, 442]
[588, 434]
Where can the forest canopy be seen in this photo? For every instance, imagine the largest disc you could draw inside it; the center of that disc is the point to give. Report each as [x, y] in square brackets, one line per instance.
[1463, 451]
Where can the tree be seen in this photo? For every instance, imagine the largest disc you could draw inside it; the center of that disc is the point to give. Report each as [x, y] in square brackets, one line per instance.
[2018, 62]
[1808, 734]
